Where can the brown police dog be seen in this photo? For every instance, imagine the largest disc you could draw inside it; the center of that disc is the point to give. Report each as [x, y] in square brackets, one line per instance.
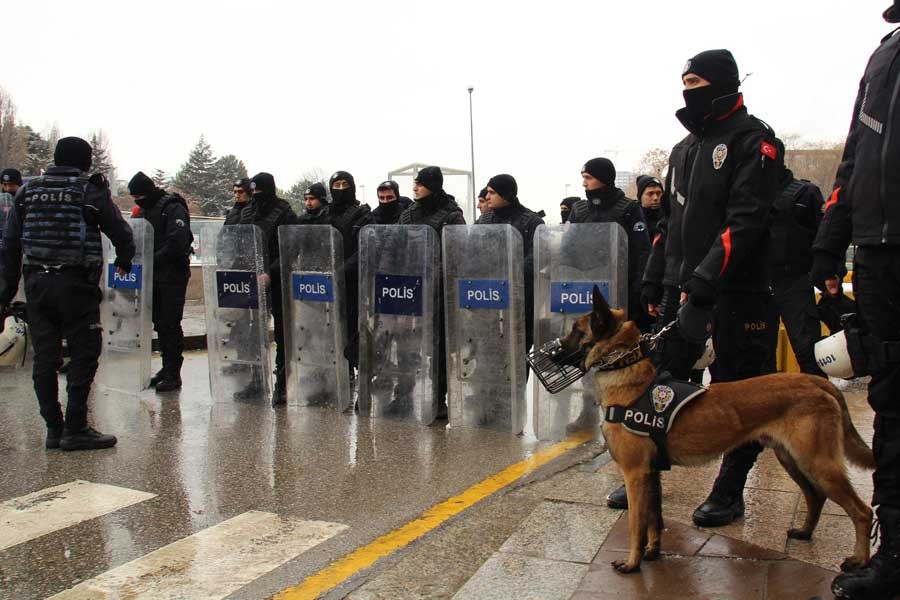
[803, 418]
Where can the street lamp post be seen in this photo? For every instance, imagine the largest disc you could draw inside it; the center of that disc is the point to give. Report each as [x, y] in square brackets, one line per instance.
[472, 149]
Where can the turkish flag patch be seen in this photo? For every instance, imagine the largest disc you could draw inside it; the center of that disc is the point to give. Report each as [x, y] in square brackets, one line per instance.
[769, 150]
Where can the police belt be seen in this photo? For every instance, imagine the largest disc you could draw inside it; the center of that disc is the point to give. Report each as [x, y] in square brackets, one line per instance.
[652, 413]
[38, 268]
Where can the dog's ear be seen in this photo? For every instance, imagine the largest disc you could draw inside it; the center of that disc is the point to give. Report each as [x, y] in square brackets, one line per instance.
[601, 316]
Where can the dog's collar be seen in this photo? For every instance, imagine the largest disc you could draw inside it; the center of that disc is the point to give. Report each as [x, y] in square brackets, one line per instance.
[620, 359]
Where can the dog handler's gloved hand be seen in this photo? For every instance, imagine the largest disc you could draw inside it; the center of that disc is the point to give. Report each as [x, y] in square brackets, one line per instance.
[700, 292]
[651, 296]
[695, 315]
[827, 272]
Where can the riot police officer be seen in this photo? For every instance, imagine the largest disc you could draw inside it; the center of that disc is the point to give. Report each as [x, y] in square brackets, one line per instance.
[865, 209]
[172, 237]
[54, 234]
[315, 198]
[390, 203]
[505, 208]
[10, 181]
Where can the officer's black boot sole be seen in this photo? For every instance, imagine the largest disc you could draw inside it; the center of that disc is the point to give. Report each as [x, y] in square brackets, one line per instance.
[169, 384]
[159, 376]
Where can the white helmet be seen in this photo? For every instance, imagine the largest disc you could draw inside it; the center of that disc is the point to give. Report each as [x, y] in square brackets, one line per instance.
[833, 357]
[707, 358]
[13, 340]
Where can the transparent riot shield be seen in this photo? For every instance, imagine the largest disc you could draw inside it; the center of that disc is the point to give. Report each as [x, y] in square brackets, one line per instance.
[569, 260]
[237, 313]
[126, 314]
[6, 204]
[312, 283]
[484, 298]
[399, 275]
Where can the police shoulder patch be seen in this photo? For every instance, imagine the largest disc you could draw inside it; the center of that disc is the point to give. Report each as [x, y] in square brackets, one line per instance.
[640, 226]
[720, 153]
[179, 222]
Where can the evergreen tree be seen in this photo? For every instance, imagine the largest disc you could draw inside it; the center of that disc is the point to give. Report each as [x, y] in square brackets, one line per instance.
[101, 162]
[160, 178]
[197, 178]
[39, 154]
[227, 169]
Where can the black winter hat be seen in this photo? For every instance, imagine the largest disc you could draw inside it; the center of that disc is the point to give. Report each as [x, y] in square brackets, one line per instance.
[342, 175]
[570, 201]
[389, 185]
[317, 190]
[141, 185]
[263, 182]
[645, 181]
[505, 185]
[892, 14]
[483, 193]
[601, 169]
[715, 66]
[243, 183]
[432, 178]
[73, 152]
[11, 176]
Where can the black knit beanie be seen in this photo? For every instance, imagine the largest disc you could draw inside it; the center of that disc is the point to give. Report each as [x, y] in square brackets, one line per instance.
[432, 178]
[506, 186]
[389, 185]
[11, 176]
[73, 152]
[483, 193]
[317, 190]
[141, 185]
[715, 66]
[242, 183]
[601, 169]
[892, 14]
[570, 201]
[263, 183]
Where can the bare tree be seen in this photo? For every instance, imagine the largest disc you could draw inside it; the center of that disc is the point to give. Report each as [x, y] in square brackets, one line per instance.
[653, 162]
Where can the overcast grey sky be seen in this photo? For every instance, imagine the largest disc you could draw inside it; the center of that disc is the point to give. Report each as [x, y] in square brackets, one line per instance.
[372, 86]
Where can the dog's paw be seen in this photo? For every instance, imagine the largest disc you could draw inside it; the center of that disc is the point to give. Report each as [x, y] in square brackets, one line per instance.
[651, 553]
[799, 534]
[851, 563]
[622, 566]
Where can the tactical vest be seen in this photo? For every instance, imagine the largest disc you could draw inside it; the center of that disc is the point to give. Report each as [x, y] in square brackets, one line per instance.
[59, 226]
[345, 220]
[585, 211]
[269, 221]
[436, 220]
[157, 217]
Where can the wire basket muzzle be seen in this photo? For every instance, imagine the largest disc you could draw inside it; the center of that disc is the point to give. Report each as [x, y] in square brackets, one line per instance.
[555, 368]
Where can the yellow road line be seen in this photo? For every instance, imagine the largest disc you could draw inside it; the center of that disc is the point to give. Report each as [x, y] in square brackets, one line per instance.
[364, 557]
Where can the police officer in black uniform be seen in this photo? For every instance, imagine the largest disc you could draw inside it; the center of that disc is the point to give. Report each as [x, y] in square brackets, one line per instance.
[390, 203]
[728, 186]
[649, 194]
[314, 200]
[172, 238]
[795, 218]
[268, 212]
[505, 208]
[606, 203]
[865, 209]
[436, 208]
[348, 215]
[10, 181]
[53, 236]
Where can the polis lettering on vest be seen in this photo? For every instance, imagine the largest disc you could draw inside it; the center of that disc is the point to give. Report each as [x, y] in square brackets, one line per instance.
[645, 419]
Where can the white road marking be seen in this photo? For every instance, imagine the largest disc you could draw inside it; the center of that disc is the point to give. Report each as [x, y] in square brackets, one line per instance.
[51, 509]
[212, 563]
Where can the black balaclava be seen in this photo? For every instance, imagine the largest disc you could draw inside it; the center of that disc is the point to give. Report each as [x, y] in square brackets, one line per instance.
[719, 68]
[141, 185]
[506, 186]
[342, 197]
[262, 186]
[892, 14]
[568, 203]
[73, 152]
[603, 170]
[11, 176]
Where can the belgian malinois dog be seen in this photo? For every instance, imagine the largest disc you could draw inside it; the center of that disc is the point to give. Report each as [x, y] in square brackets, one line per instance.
[803, 418]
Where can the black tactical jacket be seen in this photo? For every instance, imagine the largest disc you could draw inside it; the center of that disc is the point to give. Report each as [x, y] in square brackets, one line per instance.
[348, 219]
[172, 238]
[389, 214]
[795, 218]
[868, 178]
[524, 220]
[436, 210]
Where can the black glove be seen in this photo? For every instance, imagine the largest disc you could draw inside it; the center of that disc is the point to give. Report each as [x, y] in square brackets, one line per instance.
[700, 292]
[695, 322]
[826, 266]
[123, 264]
[651, 293]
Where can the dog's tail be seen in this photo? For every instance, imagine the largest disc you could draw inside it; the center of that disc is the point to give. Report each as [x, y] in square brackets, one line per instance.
[856, 449]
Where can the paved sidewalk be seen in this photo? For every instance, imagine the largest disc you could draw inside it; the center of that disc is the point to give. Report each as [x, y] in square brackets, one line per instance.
[563, 549]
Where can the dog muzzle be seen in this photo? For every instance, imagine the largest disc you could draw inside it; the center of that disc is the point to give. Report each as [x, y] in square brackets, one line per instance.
[556, 368]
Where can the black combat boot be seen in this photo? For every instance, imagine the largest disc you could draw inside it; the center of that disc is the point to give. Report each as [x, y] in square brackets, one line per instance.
[618, 498]
[880, 579]
[170, 382]
[54, 433]
[725, 502]
[160, 375]
[86, 438]
[279, 394]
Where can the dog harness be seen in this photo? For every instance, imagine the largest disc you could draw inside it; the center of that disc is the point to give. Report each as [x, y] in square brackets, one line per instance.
[652, 413]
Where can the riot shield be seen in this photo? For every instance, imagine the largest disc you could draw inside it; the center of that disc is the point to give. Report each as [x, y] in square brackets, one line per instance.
[399, 277]
[569, 260]
[312, 283]
[484, 296]
[6, 204]
[126, 313]
[237, 313]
